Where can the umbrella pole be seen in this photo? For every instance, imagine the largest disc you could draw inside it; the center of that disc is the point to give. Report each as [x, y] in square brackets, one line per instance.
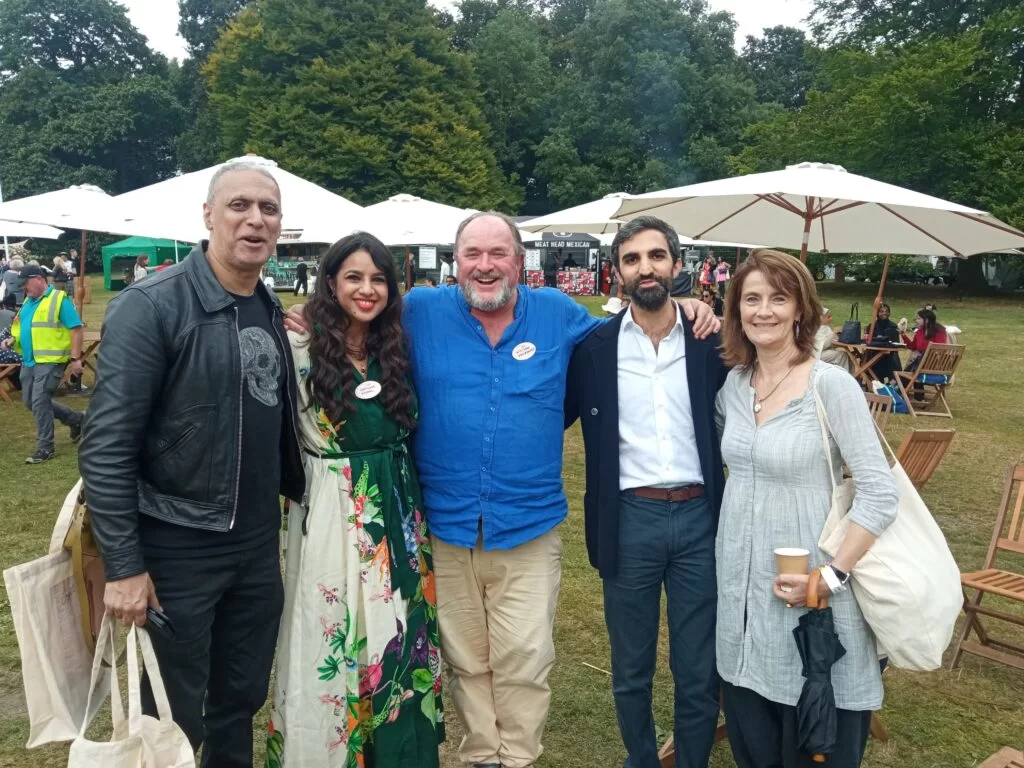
[408, 269]
[80, 292]
[807, 236]
[7, 252]
[878, 298]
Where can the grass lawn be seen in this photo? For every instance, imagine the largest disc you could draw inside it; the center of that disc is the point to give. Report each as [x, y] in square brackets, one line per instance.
[946, 718]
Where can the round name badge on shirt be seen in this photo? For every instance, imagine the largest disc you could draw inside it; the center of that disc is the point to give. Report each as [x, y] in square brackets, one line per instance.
[524, 351]
[368, 390]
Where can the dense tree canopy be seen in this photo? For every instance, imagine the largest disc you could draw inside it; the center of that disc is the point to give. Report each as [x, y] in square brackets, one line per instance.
[524, 105]
[365, 97]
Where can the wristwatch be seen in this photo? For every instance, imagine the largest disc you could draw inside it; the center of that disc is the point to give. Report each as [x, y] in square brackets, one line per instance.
[834, 578]
[74, 359]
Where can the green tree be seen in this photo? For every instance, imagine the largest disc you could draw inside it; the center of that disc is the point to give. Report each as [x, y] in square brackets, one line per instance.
[366, 98]
[200, 23]
[653, 95]
[938, 116]
[779, 63]
[81, 99]
[81, 39]
[513, 65]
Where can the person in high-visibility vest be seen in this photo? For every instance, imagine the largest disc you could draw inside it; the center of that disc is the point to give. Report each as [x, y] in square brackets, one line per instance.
[47, 333]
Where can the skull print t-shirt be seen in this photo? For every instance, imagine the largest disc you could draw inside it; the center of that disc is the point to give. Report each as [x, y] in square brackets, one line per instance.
[257, 516]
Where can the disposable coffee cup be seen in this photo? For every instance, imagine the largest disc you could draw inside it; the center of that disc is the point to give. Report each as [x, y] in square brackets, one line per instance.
[791, 560]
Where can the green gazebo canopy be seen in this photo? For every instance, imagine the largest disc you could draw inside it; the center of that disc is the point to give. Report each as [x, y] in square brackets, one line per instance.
[122, 255]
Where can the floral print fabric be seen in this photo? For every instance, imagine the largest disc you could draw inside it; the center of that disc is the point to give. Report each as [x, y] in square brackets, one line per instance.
[358, 669]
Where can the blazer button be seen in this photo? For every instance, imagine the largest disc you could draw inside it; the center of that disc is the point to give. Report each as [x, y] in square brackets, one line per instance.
[593, 411]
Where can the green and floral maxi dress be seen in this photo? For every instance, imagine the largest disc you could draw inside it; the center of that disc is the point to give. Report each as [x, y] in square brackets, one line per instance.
[358, 663]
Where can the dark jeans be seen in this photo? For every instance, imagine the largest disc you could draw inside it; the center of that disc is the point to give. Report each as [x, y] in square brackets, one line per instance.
[673, 544]
[225, 610]
[763, 733]
[302, 283]
[38, 385]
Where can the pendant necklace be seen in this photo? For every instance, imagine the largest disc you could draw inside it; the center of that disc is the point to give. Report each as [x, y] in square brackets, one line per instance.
[759, 400]
[358, 357]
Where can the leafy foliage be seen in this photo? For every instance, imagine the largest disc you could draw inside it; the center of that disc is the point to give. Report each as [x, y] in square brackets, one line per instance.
[390, 109]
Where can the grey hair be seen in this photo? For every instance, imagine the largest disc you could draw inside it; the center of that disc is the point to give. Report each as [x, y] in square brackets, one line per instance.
[641, 223]
[516, 237]
[241, 165]
[16, 262]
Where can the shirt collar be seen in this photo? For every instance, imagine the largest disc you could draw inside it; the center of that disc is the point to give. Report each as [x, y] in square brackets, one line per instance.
[47, 292]
[628, 320]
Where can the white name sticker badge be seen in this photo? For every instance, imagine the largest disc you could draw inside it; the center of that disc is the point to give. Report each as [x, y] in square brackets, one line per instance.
[368, 390]
[524, 351]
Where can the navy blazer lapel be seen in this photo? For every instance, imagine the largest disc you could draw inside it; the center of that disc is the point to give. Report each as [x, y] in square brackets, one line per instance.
[696, 379]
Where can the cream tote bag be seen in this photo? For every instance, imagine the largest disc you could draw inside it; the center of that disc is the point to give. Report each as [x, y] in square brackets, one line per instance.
[55, 661]
[140, 741]
[908, 584]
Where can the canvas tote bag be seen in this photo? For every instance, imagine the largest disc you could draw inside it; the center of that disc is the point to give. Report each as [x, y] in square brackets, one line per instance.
[140, 741]
[908, 584]
[55, 660]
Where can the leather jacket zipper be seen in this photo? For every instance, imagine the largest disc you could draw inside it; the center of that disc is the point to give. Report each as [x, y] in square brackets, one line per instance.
[241, 383]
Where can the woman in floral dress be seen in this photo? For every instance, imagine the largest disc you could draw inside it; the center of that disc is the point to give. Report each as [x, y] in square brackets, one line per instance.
[358, 665]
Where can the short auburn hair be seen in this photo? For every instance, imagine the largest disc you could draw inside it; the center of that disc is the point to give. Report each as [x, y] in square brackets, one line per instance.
[786, 274]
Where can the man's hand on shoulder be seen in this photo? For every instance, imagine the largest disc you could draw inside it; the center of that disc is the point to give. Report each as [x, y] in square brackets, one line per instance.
[295, 320]
[701, 315]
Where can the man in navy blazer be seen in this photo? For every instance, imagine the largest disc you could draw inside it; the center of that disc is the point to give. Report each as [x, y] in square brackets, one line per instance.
[643, 388]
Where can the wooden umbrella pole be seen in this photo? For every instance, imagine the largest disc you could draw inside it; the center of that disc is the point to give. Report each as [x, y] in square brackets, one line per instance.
[807, 232]
[80, 282]
[408, 269]
[878, 298]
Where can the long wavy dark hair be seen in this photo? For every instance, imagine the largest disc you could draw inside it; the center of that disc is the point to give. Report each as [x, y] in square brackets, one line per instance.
[331, 378]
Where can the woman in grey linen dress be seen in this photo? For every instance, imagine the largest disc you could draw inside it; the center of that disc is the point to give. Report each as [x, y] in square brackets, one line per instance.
[778, 494]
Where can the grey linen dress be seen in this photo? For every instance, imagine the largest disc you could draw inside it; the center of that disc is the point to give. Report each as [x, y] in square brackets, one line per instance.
[778, 494]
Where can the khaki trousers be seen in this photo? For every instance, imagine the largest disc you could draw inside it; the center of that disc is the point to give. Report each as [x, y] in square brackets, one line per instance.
[496, 612]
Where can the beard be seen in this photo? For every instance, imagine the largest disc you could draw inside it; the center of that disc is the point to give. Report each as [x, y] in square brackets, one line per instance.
[504, 296]
[650, 299]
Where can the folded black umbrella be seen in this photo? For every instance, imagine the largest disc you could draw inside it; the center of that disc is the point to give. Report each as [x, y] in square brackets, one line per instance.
[819, 647]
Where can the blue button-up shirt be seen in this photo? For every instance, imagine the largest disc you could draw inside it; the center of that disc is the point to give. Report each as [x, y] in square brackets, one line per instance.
[489, 443]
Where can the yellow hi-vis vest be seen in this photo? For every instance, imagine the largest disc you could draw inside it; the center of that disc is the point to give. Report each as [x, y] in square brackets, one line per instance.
[51, 341]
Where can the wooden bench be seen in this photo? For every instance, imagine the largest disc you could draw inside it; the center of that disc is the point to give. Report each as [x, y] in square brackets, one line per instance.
[1008, 584]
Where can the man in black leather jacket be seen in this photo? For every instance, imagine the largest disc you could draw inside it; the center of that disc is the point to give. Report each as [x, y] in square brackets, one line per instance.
[190, 438]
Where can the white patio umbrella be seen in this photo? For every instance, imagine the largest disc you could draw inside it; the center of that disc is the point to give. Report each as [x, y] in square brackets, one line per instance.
[598, 217]
[820, 207]
[176, 205]
[85, 207]
[20, 229]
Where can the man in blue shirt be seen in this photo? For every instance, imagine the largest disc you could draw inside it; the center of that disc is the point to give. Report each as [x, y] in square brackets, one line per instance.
[489, 362]
[47, 340]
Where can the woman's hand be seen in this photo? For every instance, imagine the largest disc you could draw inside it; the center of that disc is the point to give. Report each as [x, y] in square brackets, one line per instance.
[797, 584]
[295, 321]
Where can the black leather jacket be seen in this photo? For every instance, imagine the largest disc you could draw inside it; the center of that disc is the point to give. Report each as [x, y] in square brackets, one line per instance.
[164, 427]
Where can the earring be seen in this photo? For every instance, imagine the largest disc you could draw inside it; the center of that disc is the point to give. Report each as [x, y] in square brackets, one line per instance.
[798, 329]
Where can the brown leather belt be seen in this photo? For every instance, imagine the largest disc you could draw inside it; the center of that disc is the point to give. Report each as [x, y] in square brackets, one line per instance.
[679, 493]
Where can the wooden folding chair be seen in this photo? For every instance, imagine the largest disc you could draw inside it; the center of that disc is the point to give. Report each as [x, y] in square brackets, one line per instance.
[6, 383]
[932, 376]
[880, 407]
[921, 451]
[1007, 757]
[991, 580]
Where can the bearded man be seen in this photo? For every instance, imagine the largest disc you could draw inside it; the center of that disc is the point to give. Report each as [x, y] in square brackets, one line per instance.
[644, 387]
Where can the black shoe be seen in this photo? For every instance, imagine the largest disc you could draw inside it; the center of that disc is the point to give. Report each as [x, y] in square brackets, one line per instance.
[39, 457]
[75, 431]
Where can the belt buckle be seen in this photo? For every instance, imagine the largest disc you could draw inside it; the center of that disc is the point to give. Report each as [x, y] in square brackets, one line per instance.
[672, 494]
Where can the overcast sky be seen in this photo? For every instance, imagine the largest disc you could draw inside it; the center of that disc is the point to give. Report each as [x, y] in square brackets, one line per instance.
[158, 19]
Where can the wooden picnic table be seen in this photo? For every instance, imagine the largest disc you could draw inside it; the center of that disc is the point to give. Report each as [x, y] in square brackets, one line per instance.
[90, 346]
[863, 357]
